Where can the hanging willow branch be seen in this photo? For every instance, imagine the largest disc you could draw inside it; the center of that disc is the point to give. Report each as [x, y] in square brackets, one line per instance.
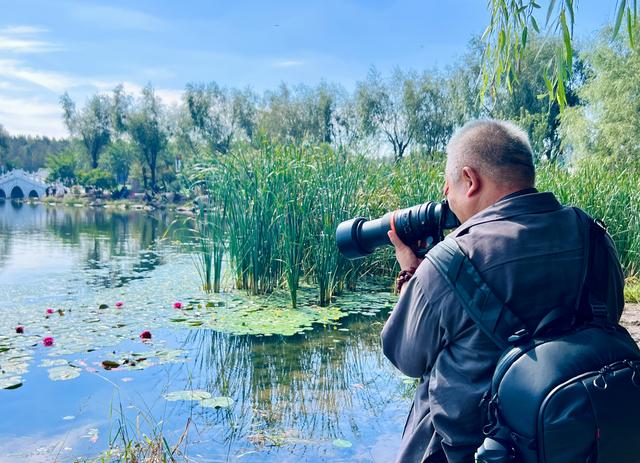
[506, 40]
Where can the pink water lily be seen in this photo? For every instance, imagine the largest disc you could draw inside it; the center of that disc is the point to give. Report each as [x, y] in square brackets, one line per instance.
[50, 311]
[20, 329]
[177, 305]
[145, 335]
[48, 341]
[119, 304]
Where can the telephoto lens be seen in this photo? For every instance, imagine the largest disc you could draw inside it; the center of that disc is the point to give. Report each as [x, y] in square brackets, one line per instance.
[492, 451]
[421, 227]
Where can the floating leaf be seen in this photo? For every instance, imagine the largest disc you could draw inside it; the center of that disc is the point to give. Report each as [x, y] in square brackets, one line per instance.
[63, 373]
[341, 443]
[12, 382]
[187, 395]
[109, 364]
[217, 402]
[103, 306]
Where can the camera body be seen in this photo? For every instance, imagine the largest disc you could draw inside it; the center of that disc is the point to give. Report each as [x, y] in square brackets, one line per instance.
[421, 227]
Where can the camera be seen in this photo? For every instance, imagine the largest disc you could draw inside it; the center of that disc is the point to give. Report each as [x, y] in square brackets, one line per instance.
[421, 227]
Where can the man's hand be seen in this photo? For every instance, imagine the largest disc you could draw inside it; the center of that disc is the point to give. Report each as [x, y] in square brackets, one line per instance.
[404, 254]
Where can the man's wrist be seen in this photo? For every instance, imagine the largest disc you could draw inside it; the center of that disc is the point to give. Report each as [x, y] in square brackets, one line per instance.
[404, 276]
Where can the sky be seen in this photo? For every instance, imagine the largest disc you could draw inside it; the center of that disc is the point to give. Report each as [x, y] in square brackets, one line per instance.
[48, 47]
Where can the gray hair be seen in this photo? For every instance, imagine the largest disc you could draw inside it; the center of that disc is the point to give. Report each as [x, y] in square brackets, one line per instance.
[497, 149]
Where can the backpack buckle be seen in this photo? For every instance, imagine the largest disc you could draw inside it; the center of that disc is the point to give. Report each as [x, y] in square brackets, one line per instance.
[518, 337]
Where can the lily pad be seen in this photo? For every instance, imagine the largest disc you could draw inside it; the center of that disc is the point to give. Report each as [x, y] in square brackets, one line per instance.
[11, 382]
[342, 443]
[63, 373]
[217, 402]
[187, 395]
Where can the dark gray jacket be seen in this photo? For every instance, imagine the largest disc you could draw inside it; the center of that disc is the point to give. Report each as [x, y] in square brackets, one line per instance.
[529, 249]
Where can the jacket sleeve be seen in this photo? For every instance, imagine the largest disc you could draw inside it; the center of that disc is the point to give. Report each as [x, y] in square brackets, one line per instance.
[413, 336]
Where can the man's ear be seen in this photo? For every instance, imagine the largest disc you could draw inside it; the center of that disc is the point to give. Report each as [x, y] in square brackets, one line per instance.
[472, 181]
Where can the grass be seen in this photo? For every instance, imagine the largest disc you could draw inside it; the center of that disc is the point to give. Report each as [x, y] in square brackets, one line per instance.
[632, 290]
[275, 208]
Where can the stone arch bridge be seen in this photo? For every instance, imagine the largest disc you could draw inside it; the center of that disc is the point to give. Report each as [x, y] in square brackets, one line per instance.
[19, 184]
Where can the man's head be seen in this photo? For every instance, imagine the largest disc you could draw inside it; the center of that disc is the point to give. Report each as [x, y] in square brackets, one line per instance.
[486, 160]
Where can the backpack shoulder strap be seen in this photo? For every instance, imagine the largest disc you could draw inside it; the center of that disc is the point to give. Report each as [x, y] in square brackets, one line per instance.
[492, 316]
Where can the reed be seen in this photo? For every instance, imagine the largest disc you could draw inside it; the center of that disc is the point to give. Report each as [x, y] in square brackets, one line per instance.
[281, 204]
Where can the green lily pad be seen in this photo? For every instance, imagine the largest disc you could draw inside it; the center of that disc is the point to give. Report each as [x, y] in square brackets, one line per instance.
[63, 373]
[341, 443]
[187, 395]
[217, 402]
[11, 382]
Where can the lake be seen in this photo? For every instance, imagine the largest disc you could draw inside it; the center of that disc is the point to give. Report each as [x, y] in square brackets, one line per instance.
[325, 393]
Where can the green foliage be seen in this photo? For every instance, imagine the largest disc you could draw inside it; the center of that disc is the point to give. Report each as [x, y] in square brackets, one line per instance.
[148, 126]
[300, 113]
[117, 159]
[405, 109]
[64, 167]
[608, 122]
[506, 39]
[27, 152]
[216, 116]
[93, 124]
[98, 179]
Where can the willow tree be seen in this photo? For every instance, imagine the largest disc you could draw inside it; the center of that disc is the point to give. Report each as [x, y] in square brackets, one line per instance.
[148, 127]
[507, 37]
[93, 124]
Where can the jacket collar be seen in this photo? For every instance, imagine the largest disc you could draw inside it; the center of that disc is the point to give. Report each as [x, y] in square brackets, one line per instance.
[505, 208]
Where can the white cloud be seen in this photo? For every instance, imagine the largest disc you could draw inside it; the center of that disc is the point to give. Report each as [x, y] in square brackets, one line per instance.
[22, 30]
[56, 82]
[31, 116]
[19, 45]
[288, 63]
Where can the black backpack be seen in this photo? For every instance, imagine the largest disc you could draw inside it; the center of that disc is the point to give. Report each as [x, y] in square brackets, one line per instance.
[567, 393]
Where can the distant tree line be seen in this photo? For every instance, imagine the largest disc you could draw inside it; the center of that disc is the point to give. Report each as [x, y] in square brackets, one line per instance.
[117, 138]
[27, 152]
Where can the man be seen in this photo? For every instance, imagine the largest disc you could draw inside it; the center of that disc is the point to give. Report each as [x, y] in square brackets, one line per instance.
[526, 246]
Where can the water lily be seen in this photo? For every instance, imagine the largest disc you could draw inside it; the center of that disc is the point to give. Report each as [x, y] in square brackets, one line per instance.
[145, 335]
[177, 305]
[20, 329]
[119, 304]
[48, 341]
[50, 311]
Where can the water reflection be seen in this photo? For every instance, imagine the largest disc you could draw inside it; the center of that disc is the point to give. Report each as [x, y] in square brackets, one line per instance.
[301, 391]
[293, 395]
[115, 246]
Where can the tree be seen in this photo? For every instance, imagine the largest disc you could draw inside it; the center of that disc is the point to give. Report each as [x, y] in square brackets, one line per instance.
[93, 124]
[295, 114]
[608, 121]
[4, 148]
[63, 166]
[218, 116]
[148, 127]
[405, 109]
[117, 159]
[98, 179]
[513, 21]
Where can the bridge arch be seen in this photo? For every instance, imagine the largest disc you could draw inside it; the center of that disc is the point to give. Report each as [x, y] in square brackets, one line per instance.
[33, 194]
[17, 193]
[3, 195]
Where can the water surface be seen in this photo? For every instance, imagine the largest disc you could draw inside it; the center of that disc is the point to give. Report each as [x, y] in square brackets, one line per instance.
[295, 398]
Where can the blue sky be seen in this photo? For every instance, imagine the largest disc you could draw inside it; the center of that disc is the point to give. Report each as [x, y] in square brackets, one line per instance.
[49, 47]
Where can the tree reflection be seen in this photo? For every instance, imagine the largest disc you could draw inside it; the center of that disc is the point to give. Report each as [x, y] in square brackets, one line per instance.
[312, 387]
